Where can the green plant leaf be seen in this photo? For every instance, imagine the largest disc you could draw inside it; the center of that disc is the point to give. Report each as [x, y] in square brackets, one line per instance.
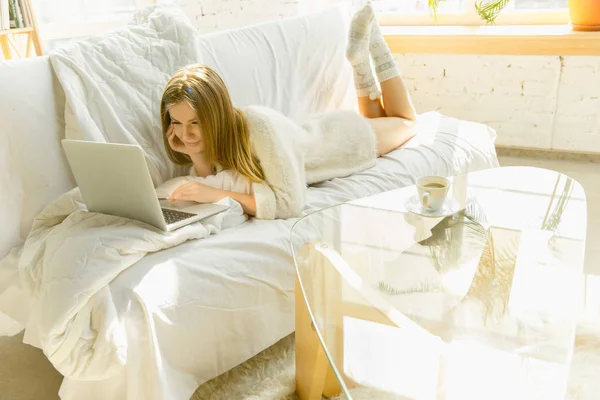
[488, 10]
[433, 6]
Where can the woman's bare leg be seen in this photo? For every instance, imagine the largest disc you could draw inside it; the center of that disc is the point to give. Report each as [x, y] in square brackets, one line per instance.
[392, 120]
[370, 108]
[398, 126]
[391, 133]
[396, 99]
[396, 102]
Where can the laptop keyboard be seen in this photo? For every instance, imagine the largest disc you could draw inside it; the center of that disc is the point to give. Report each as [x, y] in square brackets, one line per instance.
[172, 216]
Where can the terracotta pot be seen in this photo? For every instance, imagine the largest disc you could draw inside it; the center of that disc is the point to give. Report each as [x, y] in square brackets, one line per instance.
[585, 15]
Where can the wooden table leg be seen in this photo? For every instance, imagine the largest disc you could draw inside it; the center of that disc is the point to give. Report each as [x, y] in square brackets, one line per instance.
[311, 362]
[314, 374]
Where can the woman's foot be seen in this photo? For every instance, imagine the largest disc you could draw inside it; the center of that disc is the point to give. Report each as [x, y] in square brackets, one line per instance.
[357, 52]
[359, 35]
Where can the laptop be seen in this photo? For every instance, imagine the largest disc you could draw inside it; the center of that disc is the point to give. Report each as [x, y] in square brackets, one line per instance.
[114, 179]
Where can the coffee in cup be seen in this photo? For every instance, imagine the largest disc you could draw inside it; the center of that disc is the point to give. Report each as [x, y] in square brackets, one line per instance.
[432, 192]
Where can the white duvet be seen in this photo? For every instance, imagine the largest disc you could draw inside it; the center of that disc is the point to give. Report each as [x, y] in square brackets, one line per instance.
[66, 264]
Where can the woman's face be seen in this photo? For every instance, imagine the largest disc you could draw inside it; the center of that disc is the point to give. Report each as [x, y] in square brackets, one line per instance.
[186, 126]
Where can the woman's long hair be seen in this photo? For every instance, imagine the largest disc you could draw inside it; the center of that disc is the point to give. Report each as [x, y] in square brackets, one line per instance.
[224, 129]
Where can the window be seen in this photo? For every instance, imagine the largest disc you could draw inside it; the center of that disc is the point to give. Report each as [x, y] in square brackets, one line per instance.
[66, 11]
[539, 4]
[416, 6]
[61, 20]
[462, 12]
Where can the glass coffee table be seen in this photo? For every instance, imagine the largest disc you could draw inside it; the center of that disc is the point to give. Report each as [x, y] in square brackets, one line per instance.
[480, 302]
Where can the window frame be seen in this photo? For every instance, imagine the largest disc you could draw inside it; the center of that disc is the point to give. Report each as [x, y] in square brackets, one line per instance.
[68, 30]
[470, 18]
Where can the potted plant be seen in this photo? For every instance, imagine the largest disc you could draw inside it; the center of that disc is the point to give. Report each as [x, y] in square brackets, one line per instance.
[585, 14]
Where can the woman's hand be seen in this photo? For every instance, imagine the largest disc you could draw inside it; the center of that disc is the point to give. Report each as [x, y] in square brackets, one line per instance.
[198, 192]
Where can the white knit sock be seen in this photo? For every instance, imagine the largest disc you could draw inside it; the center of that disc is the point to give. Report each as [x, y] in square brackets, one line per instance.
[357, 52]
[385, 66]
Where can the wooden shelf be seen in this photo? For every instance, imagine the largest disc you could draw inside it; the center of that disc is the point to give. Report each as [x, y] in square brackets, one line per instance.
[16, 31]
[547, 40]
[11, 46]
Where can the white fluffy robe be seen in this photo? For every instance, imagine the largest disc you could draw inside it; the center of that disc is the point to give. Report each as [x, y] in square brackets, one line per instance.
[328, 145]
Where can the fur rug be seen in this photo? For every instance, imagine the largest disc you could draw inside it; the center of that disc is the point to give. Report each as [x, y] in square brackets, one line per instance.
[270, 374]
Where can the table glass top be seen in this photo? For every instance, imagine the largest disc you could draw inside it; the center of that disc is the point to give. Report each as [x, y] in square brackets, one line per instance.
[478, 304]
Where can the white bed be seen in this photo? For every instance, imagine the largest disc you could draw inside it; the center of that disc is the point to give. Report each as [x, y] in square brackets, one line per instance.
[194, 311]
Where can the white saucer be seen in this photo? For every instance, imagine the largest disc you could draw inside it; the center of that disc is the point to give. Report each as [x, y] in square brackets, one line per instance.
[450, 207]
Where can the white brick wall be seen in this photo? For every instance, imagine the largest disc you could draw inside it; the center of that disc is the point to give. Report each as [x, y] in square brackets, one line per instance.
[215, 15]
[532, 101]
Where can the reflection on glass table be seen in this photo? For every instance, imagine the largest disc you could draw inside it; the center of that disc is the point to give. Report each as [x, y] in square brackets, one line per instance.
[480, 304]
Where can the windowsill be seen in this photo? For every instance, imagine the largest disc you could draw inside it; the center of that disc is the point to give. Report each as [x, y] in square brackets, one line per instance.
[556, 40]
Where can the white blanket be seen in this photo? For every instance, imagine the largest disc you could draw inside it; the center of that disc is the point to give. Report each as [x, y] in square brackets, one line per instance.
[66, 264]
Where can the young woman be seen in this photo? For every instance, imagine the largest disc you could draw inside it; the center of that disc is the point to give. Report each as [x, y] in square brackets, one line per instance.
[272, 156]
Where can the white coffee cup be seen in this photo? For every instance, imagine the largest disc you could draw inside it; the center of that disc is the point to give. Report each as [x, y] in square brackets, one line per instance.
[432, 192]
